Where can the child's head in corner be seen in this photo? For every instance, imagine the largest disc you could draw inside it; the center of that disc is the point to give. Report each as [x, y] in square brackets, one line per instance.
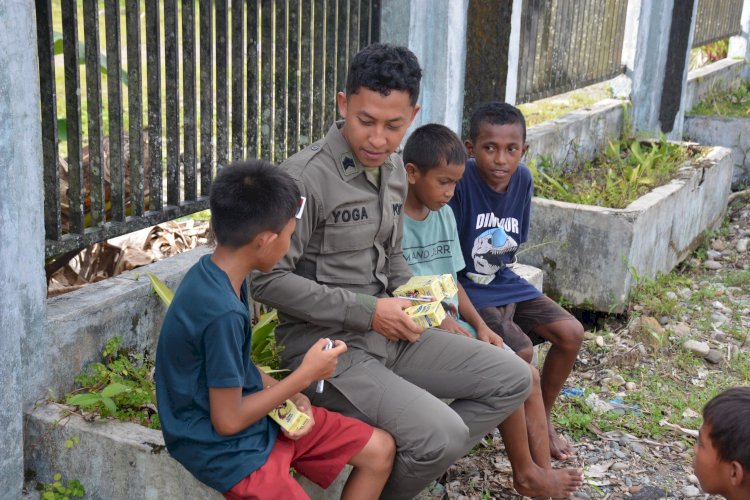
[435, 160]
[722, 453]
[253, 207]
[497, 141]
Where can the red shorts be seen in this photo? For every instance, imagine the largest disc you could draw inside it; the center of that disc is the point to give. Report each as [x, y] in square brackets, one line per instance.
[318, 455]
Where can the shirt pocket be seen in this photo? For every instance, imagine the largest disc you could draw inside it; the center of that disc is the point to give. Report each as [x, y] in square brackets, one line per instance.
[347, 253]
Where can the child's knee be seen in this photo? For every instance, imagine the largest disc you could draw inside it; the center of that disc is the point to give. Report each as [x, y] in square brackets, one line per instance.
[526, 354]
[383, 450]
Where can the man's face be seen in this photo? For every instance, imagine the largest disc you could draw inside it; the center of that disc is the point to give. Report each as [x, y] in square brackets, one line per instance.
[435, 188]
[375, 124]
[707, 465]
[498, 150]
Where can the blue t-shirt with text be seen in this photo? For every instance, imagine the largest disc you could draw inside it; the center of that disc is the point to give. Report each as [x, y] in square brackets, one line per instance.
[491, 226]
[205, 342]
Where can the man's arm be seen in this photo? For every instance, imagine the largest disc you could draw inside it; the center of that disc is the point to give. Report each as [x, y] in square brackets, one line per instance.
[303, 297]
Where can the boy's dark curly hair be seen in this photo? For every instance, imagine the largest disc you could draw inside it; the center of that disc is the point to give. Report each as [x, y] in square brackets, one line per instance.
[381, 67]
[728, 417]
[496, 113]
[433, 145]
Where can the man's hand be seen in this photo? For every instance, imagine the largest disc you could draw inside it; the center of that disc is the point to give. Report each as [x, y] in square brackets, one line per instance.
[451, 325]
[303, 405]
[390, 320]
[486, 334]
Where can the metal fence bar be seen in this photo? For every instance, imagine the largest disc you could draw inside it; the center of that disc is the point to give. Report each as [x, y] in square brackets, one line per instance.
[716, 20]
[293, 76]
[206, 92]
[135, 106]
[266, 75]
[188, 100]
[280, 82]
[331, 58]
[252, 79]
[238, 76]
[305, 57]
[172, 80]
[342, 42]
[94, 116]
[319, 71]
[115, 159]
[222, 85]
[48, 101]
[73, 115]
[153, 77]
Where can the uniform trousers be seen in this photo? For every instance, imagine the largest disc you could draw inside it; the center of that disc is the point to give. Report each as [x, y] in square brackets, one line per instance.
[402, 394]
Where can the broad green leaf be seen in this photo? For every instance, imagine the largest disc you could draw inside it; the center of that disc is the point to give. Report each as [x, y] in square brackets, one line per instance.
[161, 289]
[114, 389]
[84, 400]
[111, 406]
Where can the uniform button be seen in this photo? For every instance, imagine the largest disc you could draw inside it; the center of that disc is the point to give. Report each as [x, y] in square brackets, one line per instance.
[314, 148]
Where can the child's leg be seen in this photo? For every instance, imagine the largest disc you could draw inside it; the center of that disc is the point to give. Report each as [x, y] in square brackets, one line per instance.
[522, 442]
[544, 318]
[372, 466]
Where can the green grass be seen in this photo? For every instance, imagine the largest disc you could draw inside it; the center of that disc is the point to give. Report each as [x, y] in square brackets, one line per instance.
[626, 170]
[732, 102]
[541, 110]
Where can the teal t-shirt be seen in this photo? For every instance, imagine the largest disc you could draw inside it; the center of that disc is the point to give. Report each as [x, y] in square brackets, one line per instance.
[431, 247]
[205, 342]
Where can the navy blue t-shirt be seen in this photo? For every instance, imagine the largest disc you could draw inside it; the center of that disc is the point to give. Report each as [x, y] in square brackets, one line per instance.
[491, 226]
[205, 342]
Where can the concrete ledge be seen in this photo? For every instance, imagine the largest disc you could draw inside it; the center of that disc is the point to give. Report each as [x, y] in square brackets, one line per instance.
[578, 136]
[80, 323]
[531, 274]
[119, 460]
[730, 132]
[587, 253]
[712, 77]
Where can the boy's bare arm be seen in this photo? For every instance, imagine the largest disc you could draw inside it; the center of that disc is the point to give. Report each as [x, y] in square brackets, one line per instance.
[468, 312]
[232, 413]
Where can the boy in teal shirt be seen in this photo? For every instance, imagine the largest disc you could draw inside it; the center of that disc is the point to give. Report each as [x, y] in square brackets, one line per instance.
[435, 159]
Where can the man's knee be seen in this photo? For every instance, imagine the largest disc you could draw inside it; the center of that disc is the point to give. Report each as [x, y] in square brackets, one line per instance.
[441, 442]
[511, 378]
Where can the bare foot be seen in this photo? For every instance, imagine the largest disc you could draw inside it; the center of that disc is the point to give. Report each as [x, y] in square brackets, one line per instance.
[555, 483]
[559, 447]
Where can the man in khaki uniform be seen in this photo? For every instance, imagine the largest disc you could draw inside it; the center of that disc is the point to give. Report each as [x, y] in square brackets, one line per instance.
[344, 260]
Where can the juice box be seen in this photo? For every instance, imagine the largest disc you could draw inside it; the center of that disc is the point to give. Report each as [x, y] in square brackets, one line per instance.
[288, 416]
[427, 315]
[421, 286]
[449, 286]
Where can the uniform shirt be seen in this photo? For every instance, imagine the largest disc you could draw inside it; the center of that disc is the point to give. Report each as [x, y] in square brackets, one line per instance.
[205, 342]
[431, 247]
[345, 251]
[491, 226]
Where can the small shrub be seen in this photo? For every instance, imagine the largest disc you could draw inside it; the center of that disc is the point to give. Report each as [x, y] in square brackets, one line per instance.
[59, 490]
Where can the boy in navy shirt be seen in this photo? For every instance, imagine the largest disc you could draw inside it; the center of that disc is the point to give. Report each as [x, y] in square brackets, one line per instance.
[722, 453]
[213, 402]
[435, 161]
[492, 206]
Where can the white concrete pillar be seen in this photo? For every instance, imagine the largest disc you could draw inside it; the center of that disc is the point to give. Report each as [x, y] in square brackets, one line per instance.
[664, 34]
[739, 45]
[22, 281]
[514, 51]
[435, 30]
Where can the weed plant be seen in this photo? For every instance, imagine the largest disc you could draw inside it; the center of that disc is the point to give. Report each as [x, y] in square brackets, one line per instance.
[732, 102]
[627, 169]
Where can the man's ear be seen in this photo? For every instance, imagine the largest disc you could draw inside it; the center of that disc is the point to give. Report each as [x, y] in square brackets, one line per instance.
[469, 147]
[411, 172]
[737, 474]
[341, 102]
[414, 112]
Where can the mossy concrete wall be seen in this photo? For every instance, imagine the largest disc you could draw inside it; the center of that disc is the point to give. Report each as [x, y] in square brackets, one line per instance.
[713, 77]
[727, 131]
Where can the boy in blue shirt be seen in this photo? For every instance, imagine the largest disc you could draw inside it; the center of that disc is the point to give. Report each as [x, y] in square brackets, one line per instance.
[435, 159]
[492, 205]
[213, 402]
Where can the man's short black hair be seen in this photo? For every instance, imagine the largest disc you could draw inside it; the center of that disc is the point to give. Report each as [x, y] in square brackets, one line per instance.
[496, 113]
[250, 197]
[381, 68]
[728, 416]
[433, 145]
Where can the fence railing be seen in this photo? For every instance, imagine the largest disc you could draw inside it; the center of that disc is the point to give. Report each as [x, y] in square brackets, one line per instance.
[203, 82]
[715, 20]
[568, 44]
